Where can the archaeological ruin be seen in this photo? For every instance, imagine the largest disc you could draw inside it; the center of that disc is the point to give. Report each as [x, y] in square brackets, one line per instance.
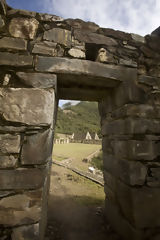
[44, 58]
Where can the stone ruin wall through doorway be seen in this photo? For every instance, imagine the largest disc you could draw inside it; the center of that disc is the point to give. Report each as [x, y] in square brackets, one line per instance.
[44, 58]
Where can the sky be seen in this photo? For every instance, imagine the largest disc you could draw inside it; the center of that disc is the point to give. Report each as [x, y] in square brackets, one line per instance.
[136, 16]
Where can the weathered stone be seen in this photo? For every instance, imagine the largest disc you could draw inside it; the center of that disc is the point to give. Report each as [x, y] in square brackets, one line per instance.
[130, 172]
[11, 129]
[49, 18]
[23, 27]
[115, 34]
[149, 80]
[108, 75]
[153, 42]
[130, 47]
[39, 102]
[89, 37]
[14, 59]
[156, 32]
[8, 161]
[139, 205]
[2, 23]
[13, 43]
[138, 110]
[59, 35]
[128, 62]
[20, 209]
[82, 25]
[31, 178]
[20, 12]
[48, 48]
[26, 232]
[105, 56]
[131, 126]
[138, 38]
[3, 7]
[9, 143]
[38, 80]
[76, 53]
[37, 148]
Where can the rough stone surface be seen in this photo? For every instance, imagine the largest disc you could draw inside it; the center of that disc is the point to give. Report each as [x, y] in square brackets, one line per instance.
[26, 232]
[31, 178]
[3, 7]
[23, 27]
[37, 148]
[138, 38]
[13, 43]
[76, 53]
[40, 103]
[9, 143]
[14, 59]
[48, 48]
[58, 35]
[20, 209]
[2, 23]
[38, 80]
[20, 12]
[8, 161]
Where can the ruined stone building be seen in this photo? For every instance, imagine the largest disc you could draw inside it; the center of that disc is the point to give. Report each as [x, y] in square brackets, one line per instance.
[44, 58]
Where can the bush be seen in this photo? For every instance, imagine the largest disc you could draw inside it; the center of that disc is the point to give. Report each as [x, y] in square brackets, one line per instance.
[97, 162]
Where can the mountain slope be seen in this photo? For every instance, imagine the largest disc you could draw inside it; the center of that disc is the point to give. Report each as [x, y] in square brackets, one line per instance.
[82, 117]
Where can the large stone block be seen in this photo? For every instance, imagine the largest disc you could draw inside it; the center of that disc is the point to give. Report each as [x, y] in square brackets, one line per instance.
[38, 80]
[58, 35]
[131, 126]
[8, 161]
[13, 43]
[37, 148]
[132, 149]
[23, 27]
[27, 106]
[21, 209]
[83, 72]
[48, 48]
[26, 232]
[130, 172]
[9, 143]
[14, 59]
[31, 178]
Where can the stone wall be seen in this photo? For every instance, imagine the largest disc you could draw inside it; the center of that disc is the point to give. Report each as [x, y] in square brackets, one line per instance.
[44, 58]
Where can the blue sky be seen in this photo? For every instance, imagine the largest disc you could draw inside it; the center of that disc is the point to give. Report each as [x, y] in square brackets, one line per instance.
[137, 16]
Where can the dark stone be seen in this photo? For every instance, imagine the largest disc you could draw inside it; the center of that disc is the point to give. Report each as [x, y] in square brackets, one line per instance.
[14, 59]
[20, 12]
[89, 37]
[13, 43]
[115, 34]
[82, 25]
[37, 148]
[156, 32]
[26, 232]
[2, 23]
[38, 80]
[3, 7]
[59, 35]
[32, 178]
[153, 42]
[149, 80]
[129, 63]
[48, 48]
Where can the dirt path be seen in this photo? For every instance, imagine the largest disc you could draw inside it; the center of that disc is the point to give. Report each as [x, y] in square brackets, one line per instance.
[76, 208]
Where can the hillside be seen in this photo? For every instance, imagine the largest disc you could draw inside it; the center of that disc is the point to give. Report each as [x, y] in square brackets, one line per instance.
[78, 118]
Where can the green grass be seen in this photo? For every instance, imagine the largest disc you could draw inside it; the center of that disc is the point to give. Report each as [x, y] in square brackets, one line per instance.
[77, 151]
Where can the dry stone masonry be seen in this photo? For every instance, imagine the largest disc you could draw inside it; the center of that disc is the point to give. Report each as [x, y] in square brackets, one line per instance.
[44, 58]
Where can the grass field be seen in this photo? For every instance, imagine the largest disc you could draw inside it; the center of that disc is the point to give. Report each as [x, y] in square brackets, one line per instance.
[76, 151]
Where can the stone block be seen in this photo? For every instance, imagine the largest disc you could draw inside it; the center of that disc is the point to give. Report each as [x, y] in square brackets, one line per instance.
[20, 209]
[13, 43]
[23, 27]
[58, 35]
[76, 53]
[137, 110]
[14, 59]
[20, 12]
[149, 80]
[26, 232]
[48, 48]
[115, 34]
[139, 205]
[37, 148]
[133, 149]
[131, 172]
[131, 126]
[34, 108]
[2, 23]
[48, 17]
[31, 178]
[129, 63]
[138, 38]
[8, 161]
[9, 143]
[38, 80]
